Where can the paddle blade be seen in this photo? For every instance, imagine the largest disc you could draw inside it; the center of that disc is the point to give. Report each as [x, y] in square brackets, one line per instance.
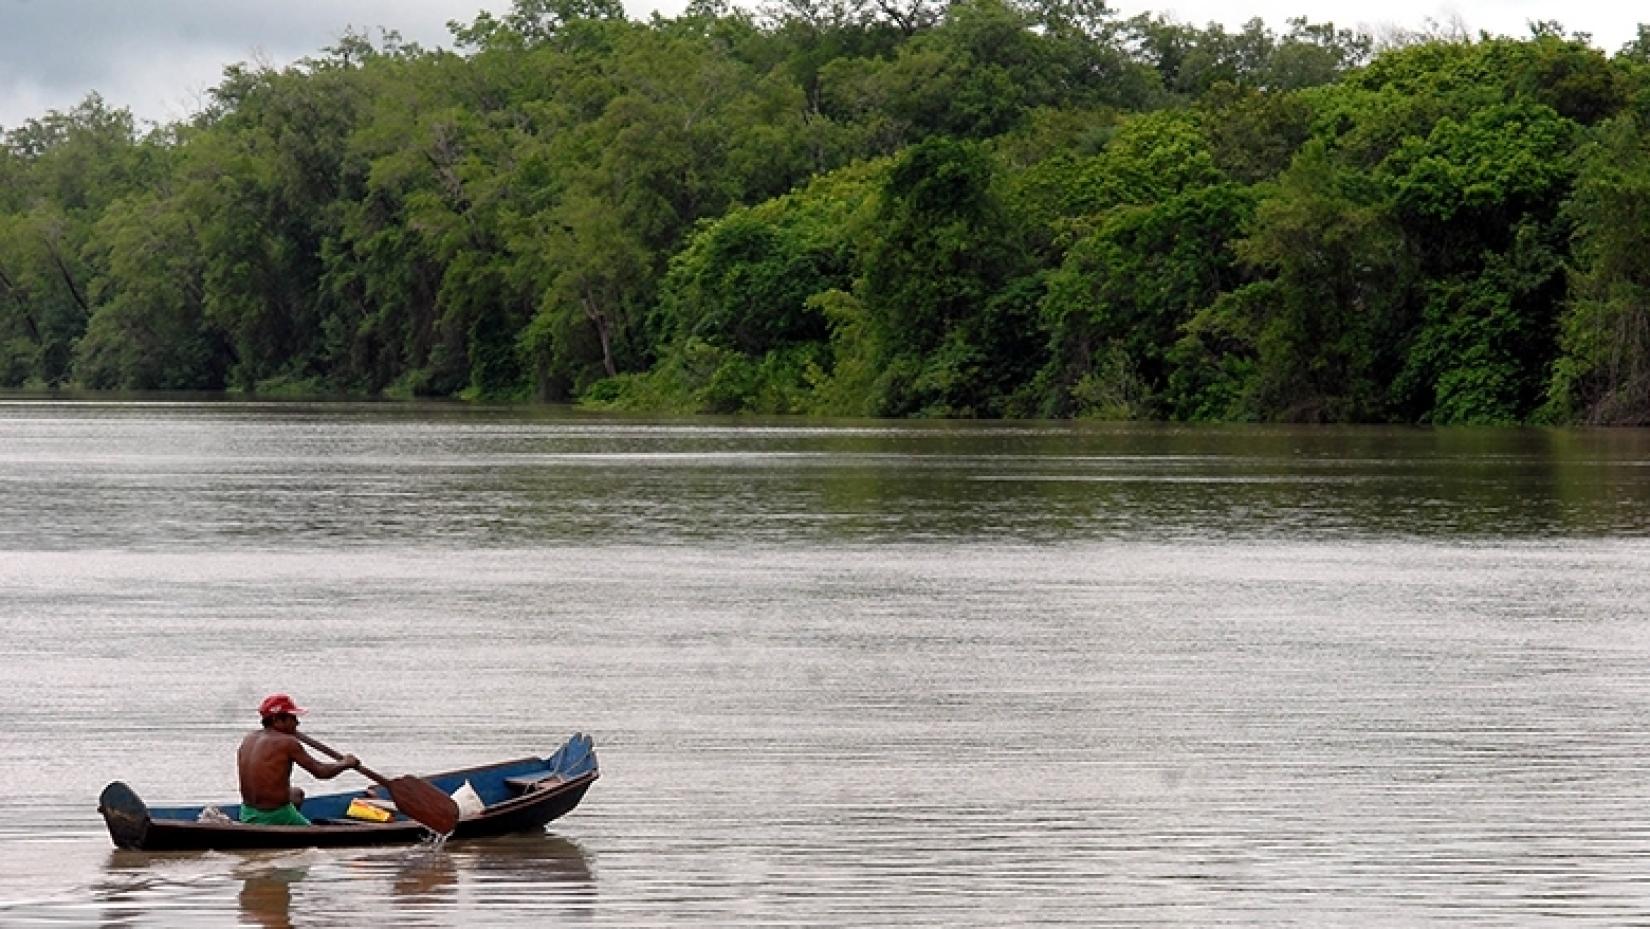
[424, 802]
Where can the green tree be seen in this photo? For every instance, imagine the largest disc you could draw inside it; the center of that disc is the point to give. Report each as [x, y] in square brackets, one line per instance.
[1480, 199]
[149, 331]
[61, 171]
[44, 283]
[1335, 307]
[744, 284]
[1118, 303]
[940, 281]
[1603, 372]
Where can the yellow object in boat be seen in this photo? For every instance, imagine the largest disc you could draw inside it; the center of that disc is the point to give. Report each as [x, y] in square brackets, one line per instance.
[362, 809]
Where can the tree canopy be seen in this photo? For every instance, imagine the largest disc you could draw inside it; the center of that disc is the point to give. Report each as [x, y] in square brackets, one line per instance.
[842, 207]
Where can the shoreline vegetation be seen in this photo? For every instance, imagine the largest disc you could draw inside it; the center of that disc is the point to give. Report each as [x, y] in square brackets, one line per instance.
[996, 208]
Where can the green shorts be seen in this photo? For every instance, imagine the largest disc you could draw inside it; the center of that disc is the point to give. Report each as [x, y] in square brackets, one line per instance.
[280, 816]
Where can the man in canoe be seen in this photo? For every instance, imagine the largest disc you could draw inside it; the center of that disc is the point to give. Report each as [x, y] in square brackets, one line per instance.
[265, 761]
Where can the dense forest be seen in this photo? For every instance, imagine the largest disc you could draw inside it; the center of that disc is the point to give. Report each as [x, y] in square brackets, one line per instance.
[995, 208]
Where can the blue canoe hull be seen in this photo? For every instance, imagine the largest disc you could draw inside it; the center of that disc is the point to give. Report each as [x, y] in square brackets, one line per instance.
[519, 795]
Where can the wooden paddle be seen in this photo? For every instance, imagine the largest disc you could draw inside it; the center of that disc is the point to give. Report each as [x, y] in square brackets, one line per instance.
[416, 797]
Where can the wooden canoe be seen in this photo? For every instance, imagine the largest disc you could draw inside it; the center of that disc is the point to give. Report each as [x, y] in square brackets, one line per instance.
[518, 796]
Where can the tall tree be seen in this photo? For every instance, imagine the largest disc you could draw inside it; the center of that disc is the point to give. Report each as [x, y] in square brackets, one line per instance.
[1326, 338]
[1603, 373]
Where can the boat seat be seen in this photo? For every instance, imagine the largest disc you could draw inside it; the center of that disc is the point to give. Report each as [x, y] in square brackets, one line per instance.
[533, 780]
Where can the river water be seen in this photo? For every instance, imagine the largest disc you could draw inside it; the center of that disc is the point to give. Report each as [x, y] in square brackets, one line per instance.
[839, 674]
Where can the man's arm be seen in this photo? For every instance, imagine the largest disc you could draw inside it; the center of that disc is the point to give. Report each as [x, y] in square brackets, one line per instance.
[325, 770]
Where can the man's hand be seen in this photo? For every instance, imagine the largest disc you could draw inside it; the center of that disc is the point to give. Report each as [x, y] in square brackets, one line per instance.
[350, 762]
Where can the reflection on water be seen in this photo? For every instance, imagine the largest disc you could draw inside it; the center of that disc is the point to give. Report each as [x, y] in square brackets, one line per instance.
[255, 476]
[420, 886]
[266, 897]
[426, 879]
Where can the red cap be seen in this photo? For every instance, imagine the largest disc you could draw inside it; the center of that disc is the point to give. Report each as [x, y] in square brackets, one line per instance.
[276, 704]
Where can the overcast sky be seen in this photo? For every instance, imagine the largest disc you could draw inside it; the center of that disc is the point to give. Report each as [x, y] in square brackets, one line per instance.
[158, 57]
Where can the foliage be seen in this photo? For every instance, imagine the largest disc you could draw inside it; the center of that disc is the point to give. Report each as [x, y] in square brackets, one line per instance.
[1117, 305]
[980, 208]
[1603, 370]
[1324, 341]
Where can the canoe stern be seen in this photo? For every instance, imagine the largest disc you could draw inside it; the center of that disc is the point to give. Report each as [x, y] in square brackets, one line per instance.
[126, 815]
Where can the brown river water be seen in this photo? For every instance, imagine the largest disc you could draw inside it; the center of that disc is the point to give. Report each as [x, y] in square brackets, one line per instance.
[838, 673]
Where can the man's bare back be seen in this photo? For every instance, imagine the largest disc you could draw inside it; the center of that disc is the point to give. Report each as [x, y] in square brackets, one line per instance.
[266, 757]
[265, 762]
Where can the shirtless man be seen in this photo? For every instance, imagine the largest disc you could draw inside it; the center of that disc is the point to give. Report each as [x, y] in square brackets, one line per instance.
[265, 762]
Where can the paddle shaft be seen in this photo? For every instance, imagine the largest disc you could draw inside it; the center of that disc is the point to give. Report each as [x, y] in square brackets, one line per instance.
[335, 755]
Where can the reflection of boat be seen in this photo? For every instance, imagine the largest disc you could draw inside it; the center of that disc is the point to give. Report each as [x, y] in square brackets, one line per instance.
[517, 795]
[426, 873]
[531, 856]
[423, 879]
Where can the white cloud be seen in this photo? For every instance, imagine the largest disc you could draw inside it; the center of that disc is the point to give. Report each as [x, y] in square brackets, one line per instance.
[158, 56]
[23, 96]
[167, 85]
